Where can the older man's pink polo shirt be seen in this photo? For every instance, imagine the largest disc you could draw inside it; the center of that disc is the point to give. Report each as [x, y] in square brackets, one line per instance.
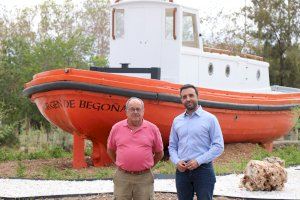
[134, 149]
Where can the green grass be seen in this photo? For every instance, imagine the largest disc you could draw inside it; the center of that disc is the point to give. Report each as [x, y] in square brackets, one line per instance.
[21, 170]
[164, 167]
[230, 167]
[104, 172]
[8, 154]
[50, 172]
[290, 154]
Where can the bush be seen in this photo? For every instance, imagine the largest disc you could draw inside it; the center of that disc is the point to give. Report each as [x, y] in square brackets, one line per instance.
[59, 152]
[53, 152]
[8, 136]
[7, 131]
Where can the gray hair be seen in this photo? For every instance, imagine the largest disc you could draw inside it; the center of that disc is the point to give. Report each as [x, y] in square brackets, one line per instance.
[132, 98]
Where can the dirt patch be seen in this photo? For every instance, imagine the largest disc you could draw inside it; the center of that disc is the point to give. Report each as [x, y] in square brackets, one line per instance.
[236, 153]
[33, 167]
[233, 152]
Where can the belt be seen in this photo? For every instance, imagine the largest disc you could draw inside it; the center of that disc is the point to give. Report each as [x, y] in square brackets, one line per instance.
[134, 172]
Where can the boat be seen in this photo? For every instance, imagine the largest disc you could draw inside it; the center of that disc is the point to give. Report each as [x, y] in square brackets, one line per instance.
[155, 48]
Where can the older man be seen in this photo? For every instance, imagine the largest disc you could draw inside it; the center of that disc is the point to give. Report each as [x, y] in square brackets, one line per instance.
[135, 145]
[195, 141]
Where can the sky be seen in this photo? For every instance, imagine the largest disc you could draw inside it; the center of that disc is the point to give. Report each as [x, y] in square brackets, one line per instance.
[206, 7]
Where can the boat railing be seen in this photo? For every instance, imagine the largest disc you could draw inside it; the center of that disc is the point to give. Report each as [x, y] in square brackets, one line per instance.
[231, 53]
[245, 55]
[284, 89]
[155, 72]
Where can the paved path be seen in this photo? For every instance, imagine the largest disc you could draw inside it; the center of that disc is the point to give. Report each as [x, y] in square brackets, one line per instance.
[225, 186]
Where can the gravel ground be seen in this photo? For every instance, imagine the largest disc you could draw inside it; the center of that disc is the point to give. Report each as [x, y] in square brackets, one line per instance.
[157, 195]
[225, 186]
[230, 186]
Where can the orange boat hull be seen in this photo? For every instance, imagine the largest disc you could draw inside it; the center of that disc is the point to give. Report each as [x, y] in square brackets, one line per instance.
[90, 114]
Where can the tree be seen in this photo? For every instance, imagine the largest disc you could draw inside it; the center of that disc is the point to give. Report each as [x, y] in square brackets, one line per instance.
[293, 61]
[58, 40]
[278, 27]
[17, 65]
[230, 32]
[99, 61]
[58, 20]
[60, 53]
[95, 22]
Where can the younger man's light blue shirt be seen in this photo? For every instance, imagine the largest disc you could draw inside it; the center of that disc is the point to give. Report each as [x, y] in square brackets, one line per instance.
[197, 136]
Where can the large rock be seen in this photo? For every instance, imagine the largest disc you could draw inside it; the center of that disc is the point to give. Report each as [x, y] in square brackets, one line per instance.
[266, 175]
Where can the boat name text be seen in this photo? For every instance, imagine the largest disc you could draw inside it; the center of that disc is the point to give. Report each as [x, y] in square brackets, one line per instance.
[83, 104]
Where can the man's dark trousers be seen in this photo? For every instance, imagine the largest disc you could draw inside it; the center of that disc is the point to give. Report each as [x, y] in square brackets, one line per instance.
[201, 180]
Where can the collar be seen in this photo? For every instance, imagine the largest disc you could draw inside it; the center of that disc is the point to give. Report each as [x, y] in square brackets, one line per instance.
[197, 112]
[143, 125]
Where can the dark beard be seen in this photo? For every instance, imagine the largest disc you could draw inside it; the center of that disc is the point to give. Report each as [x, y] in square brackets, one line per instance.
[191, 108]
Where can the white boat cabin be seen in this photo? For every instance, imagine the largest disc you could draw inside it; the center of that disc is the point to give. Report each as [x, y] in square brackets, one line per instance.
[154, 33]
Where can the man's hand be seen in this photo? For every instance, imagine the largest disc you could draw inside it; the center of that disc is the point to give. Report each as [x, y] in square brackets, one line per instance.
[192, 164]
[181, 166]
[157, 157]
[112, 154]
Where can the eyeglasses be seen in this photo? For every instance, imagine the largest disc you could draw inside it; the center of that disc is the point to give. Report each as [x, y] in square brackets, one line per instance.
[135, 109]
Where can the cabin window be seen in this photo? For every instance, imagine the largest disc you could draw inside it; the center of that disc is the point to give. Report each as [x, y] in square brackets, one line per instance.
[210, 69]
[169, 24]
[227, 71]
[119, 23]
[258, 75]
[189, 30]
